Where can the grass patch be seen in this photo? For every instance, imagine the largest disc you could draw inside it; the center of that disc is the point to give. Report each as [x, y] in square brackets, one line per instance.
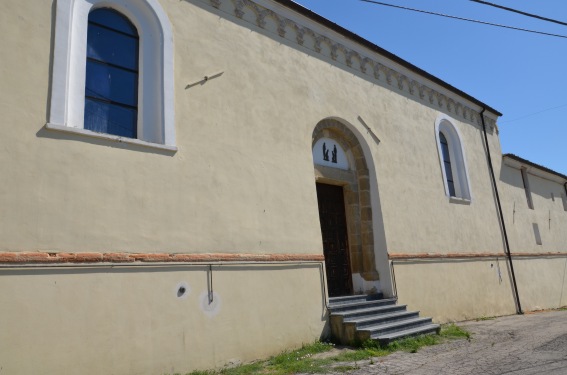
[453, 331]
[412, 344]
[303, 361]
[251, 368]
[298, 360]
[289, 362]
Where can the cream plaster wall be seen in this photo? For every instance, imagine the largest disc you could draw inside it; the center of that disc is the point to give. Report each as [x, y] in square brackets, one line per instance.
[407, 166]
[131, 321]
[419, 216]
[218, 193]
[244, 165]
[541, 279]
[542, 282]
[455, 290]
[549, 214]
[242, 180]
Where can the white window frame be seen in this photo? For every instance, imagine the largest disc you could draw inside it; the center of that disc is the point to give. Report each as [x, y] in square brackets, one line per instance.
[156, 122]
[445, 124]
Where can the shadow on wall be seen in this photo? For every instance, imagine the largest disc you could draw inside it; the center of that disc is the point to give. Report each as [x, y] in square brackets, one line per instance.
[65, 136]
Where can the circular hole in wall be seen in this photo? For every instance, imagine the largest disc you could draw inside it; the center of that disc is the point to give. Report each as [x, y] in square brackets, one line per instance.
[182, 290]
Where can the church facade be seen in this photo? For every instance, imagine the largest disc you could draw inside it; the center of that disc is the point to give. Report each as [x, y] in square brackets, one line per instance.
[186, 183]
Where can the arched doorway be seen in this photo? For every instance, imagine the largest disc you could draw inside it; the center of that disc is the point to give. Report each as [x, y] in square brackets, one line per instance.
[345, 210]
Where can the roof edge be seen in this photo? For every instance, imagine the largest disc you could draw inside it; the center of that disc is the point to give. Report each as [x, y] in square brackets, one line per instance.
[368, 44]
[534, 165]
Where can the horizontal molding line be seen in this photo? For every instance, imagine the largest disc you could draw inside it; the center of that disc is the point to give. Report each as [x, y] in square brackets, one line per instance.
[426, 256]
[21, 258]
[539, 255]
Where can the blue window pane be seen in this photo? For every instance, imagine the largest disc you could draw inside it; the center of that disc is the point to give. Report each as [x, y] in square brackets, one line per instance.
[113, 20]
[447, 164]
[108, 118]
[444, 146]
[111, 47]
[445, 151]
[448, 171]
[451, 187]
[110, 83]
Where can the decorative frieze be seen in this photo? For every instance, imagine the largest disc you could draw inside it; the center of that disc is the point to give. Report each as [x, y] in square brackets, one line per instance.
[353, 59]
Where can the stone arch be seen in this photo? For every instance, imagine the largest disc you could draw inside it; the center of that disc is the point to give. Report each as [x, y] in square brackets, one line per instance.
[358, 202]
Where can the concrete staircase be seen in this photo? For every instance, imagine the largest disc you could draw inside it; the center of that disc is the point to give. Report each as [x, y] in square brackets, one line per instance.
[359, 318]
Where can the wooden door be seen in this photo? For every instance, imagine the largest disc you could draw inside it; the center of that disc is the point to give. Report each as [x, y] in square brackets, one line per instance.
[335, 240]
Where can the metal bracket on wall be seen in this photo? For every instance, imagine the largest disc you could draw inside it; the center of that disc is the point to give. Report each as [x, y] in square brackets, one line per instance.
[210, 282]
[369, 130]
[395, 287]
[204, 80]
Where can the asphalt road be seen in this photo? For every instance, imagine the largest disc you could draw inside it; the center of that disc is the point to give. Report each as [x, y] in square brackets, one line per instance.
[513, 345]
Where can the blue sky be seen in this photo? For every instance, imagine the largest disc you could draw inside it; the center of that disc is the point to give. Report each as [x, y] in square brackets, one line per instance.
[522, 75]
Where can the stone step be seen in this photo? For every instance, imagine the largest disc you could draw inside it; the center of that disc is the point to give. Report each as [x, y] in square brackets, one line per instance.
[385, 339]
[360, 305]
[395, 326]
[367, 312]
[355, 298]
[359, 318]
[374, 320]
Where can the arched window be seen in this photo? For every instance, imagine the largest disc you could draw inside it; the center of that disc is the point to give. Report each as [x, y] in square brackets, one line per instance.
[452, 160]
[111, 84]
[113, 95]
[447, 164]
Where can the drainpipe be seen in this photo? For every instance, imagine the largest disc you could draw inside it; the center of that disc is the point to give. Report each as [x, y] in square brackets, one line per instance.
[495, 186]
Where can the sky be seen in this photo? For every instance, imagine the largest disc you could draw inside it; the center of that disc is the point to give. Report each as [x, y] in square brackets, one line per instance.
[522, 75]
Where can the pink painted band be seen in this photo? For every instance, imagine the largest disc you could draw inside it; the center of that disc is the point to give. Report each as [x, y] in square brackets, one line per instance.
[116, 257]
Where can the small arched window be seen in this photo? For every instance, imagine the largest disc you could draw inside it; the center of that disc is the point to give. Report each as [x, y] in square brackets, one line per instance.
[111, 82]
[452, 160]
[447, 164]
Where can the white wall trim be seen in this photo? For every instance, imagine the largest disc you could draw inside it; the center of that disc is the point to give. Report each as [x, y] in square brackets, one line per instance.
[156, 116]
[109, 137]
